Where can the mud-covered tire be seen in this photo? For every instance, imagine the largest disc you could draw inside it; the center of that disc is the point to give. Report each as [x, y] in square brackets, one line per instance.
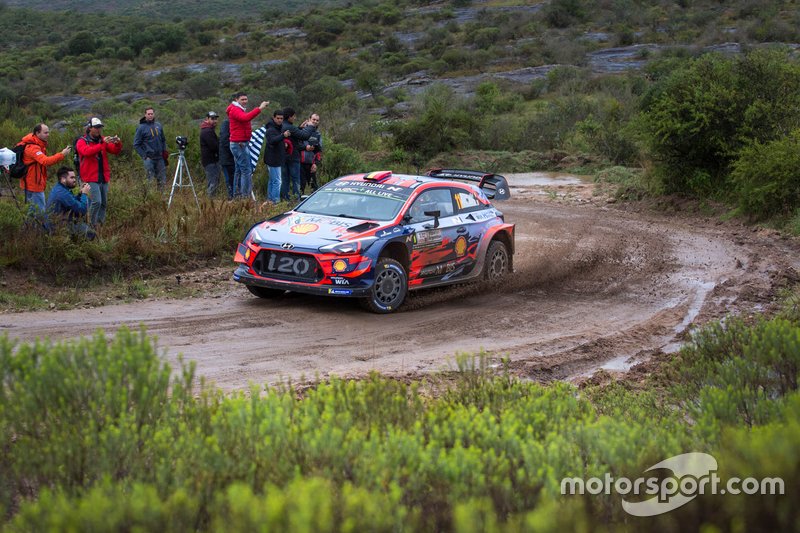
[264, 292]
[497, 262]
[390, 287]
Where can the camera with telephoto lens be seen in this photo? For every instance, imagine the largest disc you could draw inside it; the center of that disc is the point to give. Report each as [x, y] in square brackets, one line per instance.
[182, 142]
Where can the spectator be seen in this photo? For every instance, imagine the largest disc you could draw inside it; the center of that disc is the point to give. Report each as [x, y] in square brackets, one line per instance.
[209, 151]
[35, 180]
[240, 131]
[225, 155]
[93, 149]
[291, 172]
[275, 155]
[67, 208]
[311, 155]
[150, 144]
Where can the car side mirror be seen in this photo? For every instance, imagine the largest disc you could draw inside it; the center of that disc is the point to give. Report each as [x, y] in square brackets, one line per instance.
[435, 215]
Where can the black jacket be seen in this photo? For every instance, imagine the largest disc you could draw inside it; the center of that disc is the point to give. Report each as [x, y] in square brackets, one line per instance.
[297, 137]
[225, 155]
[209, 145]
[275, 153]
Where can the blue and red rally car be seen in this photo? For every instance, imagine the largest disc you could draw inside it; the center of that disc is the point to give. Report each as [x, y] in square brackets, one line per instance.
[376, 236]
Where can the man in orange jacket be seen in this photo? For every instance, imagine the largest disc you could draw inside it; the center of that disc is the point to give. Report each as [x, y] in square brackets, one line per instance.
[35, 180]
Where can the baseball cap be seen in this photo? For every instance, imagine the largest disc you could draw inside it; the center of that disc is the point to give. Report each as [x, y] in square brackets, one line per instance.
[212, 114]
[95, 122]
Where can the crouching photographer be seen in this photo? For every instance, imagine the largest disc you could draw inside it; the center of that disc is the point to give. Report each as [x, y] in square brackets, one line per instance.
[64, 207]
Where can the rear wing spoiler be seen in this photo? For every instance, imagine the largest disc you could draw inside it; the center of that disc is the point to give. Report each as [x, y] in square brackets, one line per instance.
[494, 186]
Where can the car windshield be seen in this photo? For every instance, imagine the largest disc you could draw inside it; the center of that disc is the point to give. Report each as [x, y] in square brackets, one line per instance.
[353, 202]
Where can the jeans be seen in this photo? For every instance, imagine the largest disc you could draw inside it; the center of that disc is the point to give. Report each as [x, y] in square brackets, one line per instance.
[212, 178]
[228, 171]
[36, 201]
[156, 168]
[291, 174]
[243, 177]
[98, 203]
[274, 184]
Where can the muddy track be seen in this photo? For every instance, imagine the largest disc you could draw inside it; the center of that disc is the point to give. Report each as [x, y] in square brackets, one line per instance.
[594, 287]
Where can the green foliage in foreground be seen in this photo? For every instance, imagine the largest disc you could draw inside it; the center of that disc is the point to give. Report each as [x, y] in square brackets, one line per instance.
[100, 435]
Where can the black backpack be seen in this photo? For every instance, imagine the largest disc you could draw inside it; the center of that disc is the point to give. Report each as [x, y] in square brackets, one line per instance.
[19, 170]
[76, 158]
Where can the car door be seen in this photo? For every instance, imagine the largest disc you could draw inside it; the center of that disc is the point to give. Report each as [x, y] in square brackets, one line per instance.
[433, 251]
[472, 216]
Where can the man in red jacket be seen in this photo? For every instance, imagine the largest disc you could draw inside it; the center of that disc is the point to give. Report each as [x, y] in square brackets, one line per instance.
[35, 156]
[240, 142]
[93, 150]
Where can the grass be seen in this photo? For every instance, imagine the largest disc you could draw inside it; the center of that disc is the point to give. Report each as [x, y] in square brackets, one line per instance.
[21, 302]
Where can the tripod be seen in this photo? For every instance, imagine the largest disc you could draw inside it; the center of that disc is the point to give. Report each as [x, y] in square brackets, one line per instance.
[177, 181]
[4, 172]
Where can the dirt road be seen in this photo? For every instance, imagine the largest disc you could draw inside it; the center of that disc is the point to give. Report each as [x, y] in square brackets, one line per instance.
[595, 287]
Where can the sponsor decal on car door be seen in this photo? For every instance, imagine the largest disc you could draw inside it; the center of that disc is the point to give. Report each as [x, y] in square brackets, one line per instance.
[433, 255]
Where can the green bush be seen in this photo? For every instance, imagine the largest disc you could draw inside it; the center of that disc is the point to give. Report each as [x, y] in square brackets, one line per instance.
[444, 123]
[734, 373]
[766, 177]
[340, 160]
[97, 435]
[698, 118]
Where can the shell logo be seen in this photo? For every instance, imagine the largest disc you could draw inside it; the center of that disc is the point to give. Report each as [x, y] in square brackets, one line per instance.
[302, 229]
[461, 246]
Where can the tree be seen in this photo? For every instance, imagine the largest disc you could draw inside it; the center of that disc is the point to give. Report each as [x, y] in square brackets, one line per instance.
[699, 117]
[82, 42]
[443, 124]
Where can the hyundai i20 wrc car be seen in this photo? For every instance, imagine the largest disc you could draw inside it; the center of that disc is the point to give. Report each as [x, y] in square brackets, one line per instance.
[377, 236]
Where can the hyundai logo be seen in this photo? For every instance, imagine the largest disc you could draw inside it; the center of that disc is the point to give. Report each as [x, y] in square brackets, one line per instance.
[287, 246]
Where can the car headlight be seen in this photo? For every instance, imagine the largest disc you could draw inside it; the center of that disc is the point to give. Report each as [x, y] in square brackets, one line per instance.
[251, 234]
[356, 246]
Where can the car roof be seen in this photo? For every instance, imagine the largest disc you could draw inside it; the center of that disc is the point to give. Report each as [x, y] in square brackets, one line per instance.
[405, 180]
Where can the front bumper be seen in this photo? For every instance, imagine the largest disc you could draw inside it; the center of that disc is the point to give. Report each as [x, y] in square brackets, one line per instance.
[242, 275]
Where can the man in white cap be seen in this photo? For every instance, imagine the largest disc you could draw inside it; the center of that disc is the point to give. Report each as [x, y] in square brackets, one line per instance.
[209, 151]
[93, 150]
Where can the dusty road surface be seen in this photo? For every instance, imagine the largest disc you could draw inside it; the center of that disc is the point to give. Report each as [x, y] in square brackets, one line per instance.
[596, 286]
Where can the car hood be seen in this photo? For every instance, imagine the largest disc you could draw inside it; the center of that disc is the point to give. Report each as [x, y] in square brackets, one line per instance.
[311, 231]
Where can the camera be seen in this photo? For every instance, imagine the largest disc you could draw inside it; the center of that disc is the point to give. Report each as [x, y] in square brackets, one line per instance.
[182, 142]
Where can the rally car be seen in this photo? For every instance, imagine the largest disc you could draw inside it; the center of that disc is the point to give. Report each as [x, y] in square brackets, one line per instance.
[376, 236]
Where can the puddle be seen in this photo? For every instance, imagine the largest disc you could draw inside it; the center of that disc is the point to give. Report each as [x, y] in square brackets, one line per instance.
[619, 364]
[703, 288]
[622, 363]
[529, 179]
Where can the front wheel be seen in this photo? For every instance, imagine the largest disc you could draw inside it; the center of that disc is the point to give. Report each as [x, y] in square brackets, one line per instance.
[389, 289]
[263, 292]
[496, 261]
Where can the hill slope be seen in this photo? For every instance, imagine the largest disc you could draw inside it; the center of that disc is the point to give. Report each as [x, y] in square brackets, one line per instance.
[174, 8]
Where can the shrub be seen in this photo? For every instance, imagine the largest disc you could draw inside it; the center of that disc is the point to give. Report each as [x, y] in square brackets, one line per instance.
[339, 160]
[443, 123]
[698, 118]
[96, 435]
[766, 177]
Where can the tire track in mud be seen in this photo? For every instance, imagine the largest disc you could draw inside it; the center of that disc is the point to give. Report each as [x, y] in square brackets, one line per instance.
[592, 286]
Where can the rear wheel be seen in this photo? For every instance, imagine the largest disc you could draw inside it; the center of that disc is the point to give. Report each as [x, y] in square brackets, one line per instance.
[389, 289]
[496, 261]
[263, 292]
